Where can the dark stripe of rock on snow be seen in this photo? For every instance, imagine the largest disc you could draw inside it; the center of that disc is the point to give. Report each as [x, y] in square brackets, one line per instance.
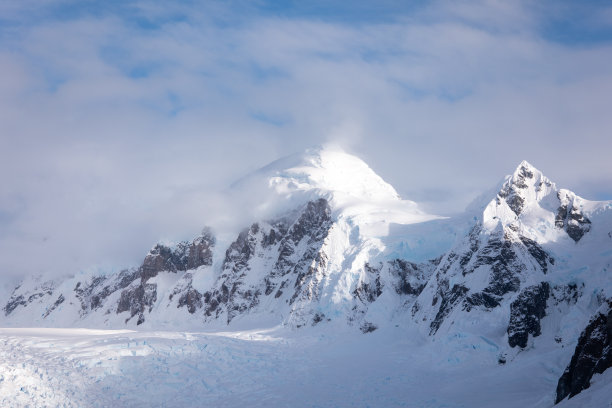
[24, 300]
[593, 355]
[526, 312]
[570, 217]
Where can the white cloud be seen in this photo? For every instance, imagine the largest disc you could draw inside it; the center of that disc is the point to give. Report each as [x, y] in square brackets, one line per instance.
[113, 136]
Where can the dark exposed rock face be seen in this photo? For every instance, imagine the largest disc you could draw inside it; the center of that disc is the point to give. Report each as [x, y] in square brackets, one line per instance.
[293, 271]
[241, 250]
[97, 297]
[405, 279]
[140, 297]
[368, 327]
[525, 314]
[539, 255]
[500, 255]
[189, 297]
[370, 288]
[85, 293]
[58, 302]
[137, 299]
[160, 258]
[446, 297]
[410, 278]
[450, 297]
[91, 294]
[18, 299]
[570, 217]
[235, 267]
[185, 256]
[567, 294]
[192, 299]
[514, 200]
[504, 255]
[593, 355]
[515, 190]
[14, 302]
[512, 192]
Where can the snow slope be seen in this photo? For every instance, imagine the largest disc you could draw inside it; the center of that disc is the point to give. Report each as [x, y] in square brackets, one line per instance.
[353, 190]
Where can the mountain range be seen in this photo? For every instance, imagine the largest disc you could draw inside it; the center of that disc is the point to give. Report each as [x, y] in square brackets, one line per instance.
[523, 271]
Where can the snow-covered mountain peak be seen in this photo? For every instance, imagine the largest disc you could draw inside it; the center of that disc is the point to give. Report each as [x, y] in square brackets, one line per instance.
[352, 189]
[525, 197]
[525, 166]
[329, 169]
[526, 186]
[533, 207]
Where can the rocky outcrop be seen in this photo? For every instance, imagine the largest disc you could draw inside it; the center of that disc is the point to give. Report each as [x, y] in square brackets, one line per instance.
[512, 192]
[289, 252]
[182, 257]
[526, 312]
[55, 305]
[503, 258]
[593, 355]
[570, 216]
[499, 254]
[521, 186]
[369, 288]
[448, 297]
[191, 299]
[229, 294]
[141, 296]
[410, 278]
[94, 294]
[543, 258]
[137, 299]
[24, 299]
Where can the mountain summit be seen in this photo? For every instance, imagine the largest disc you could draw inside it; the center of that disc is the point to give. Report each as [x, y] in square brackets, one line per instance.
[529, 201]
[327, 170]
[351, 188]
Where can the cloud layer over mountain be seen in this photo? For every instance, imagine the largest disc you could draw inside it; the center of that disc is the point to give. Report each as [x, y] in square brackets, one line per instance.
[119, 120]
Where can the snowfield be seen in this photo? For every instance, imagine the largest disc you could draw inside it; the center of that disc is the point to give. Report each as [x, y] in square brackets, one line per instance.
[276, 367]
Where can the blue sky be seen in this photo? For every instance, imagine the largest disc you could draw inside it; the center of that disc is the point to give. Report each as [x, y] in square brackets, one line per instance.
[118, 119]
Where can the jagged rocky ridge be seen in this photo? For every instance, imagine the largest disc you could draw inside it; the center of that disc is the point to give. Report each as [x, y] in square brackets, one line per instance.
[501, 262]
[141, 296]
[129, 288]
[512, 279]
[283, 264]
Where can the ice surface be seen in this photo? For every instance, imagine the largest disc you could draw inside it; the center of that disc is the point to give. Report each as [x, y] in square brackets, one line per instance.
[275, 367]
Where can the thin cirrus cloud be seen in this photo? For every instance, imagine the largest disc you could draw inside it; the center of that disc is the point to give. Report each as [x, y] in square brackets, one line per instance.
[119, 120]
